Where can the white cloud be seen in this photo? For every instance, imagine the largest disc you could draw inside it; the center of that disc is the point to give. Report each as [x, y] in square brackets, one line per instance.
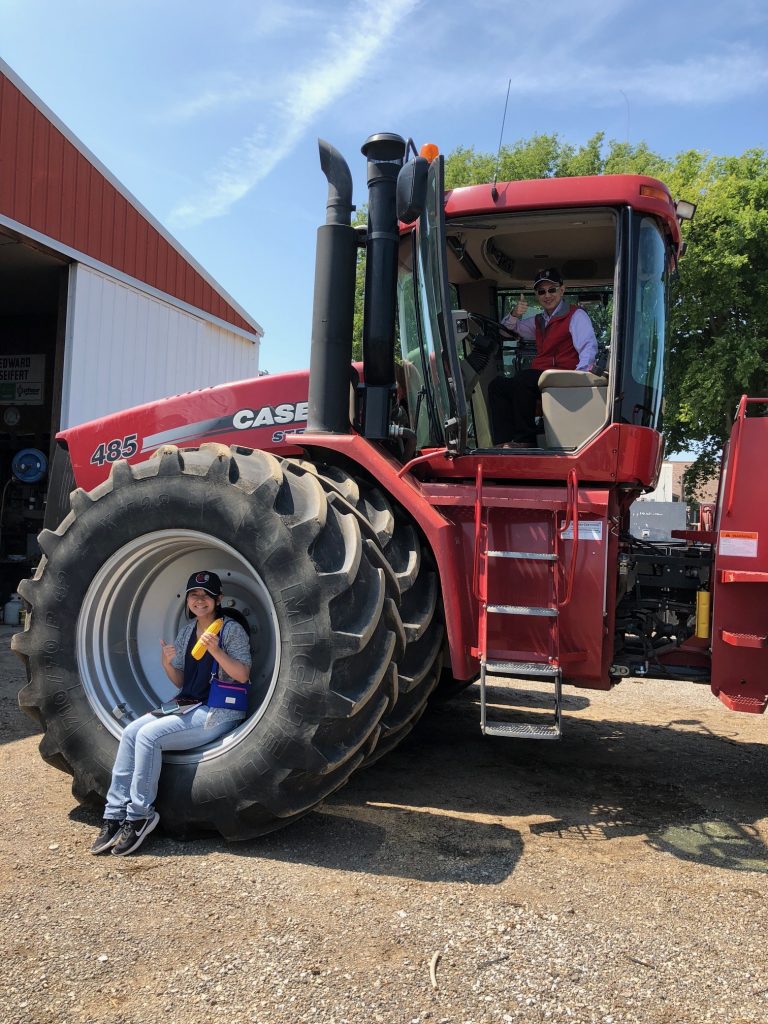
[730, 75]
[223, 91]
[273, 18]
[344, 59]
[564, 81]
[707, 79]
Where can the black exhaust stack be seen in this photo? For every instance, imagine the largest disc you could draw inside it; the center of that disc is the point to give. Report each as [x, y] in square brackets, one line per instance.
[385, 153]
[334, 302]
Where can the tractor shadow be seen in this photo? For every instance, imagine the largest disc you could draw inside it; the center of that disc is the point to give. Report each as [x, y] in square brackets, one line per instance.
[444, 805]
[14, 723]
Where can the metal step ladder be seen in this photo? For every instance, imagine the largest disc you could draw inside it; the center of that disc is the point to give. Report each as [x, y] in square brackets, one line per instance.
[498, 663]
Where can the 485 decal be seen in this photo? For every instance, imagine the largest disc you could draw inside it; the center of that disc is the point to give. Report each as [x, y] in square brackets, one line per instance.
[117, 448]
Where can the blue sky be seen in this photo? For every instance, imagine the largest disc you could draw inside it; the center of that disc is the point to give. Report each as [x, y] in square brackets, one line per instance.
[209, 113]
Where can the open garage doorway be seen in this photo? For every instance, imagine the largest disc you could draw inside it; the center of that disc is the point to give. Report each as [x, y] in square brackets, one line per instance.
[33, 302]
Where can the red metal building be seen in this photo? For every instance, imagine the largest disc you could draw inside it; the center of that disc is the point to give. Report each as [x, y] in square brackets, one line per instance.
[100, 308]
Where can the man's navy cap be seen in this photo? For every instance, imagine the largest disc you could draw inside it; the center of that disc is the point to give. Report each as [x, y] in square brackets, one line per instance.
[204, 580]
[548, 274]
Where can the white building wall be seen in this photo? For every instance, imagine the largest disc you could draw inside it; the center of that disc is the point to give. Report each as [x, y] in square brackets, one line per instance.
[124, 347]
[663, 490]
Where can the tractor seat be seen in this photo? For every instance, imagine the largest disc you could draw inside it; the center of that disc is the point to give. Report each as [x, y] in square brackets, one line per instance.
[574, 405]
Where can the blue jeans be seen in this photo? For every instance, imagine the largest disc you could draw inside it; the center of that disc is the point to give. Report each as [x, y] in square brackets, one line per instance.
[140, 757]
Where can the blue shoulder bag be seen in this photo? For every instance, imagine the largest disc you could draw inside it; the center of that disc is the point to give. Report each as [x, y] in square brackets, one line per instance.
[228, 694]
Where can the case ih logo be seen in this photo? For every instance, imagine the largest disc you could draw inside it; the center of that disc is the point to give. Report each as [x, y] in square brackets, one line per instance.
[186, 434]
[269, 415]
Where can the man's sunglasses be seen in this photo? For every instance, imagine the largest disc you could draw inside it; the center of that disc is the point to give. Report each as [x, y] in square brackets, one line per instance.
[546, 291]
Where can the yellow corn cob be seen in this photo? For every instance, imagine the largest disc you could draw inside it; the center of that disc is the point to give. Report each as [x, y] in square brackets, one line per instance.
[199, 649]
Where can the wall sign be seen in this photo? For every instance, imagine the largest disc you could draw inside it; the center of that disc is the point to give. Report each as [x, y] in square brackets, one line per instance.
[22, 379]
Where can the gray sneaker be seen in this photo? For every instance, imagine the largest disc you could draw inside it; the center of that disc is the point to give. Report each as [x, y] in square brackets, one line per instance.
[133, 834]
[107, 838]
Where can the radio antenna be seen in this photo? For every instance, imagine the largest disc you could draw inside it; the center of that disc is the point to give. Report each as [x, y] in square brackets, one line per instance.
[494, 190]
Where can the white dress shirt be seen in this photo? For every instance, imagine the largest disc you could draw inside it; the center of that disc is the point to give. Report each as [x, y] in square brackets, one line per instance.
[581, 330]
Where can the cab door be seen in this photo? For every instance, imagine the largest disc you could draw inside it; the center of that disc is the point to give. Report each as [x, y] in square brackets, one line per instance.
[443, 374]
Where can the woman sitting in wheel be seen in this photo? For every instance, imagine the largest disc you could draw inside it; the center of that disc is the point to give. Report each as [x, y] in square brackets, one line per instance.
[210, 663]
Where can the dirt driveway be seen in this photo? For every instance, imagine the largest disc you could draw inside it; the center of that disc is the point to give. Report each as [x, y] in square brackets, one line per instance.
[620, 875]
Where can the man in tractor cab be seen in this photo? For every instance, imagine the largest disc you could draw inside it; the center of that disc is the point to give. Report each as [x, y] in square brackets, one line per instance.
[565, 340]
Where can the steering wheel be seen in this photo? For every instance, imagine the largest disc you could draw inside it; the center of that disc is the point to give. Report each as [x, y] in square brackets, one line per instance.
[485, 325]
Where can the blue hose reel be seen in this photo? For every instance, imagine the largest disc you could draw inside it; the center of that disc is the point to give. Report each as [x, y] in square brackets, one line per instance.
[29, 466]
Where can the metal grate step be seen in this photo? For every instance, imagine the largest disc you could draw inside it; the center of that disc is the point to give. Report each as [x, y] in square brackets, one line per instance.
[520, 609]
[536, 728]
[522, 669]
[523, 730]
[743, 639]
[529, 556]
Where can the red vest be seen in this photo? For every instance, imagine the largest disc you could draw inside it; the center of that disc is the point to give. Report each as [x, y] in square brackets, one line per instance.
[554, 345]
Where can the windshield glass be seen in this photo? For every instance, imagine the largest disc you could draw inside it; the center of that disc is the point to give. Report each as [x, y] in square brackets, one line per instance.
[430, 362]
[425, 407]
[643, 376]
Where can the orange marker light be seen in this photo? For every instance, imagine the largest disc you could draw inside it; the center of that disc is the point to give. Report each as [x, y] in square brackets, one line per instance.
[429, 150]
[654, 193]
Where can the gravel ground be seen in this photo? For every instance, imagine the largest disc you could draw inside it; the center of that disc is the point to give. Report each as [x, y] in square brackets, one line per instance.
[617, 876]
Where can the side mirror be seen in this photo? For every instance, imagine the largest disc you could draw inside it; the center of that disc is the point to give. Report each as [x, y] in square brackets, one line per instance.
[412, 190]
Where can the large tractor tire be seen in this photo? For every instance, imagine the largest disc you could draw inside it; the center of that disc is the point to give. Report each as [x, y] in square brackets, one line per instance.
[325, 631]
[420, 667]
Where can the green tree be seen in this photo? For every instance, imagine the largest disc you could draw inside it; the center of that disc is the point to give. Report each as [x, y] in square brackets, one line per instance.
[720, 318]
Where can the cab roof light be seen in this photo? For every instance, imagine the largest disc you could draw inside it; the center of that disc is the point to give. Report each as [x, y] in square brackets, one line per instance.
[429, 151]
[652, 192]
[684, 209]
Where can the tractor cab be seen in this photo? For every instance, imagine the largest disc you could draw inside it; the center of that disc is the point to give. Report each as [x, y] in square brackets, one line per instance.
[470, 258]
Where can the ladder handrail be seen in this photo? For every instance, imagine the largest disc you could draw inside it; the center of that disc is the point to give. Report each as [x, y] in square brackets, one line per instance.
[478, 531]
[571, 516]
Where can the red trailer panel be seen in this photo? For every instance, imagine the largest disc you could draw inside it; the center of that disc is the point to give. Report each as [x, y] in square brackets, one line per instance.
[740, 580]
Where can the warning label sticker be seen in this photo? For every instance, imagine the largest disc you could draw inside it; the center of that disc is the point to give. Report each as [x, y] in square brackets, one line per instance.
[740, 543]
[590, 530]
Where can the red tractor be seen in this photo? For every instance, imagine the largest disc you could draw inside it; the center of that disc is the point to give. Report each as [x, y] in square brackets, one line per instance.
[378, 544]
